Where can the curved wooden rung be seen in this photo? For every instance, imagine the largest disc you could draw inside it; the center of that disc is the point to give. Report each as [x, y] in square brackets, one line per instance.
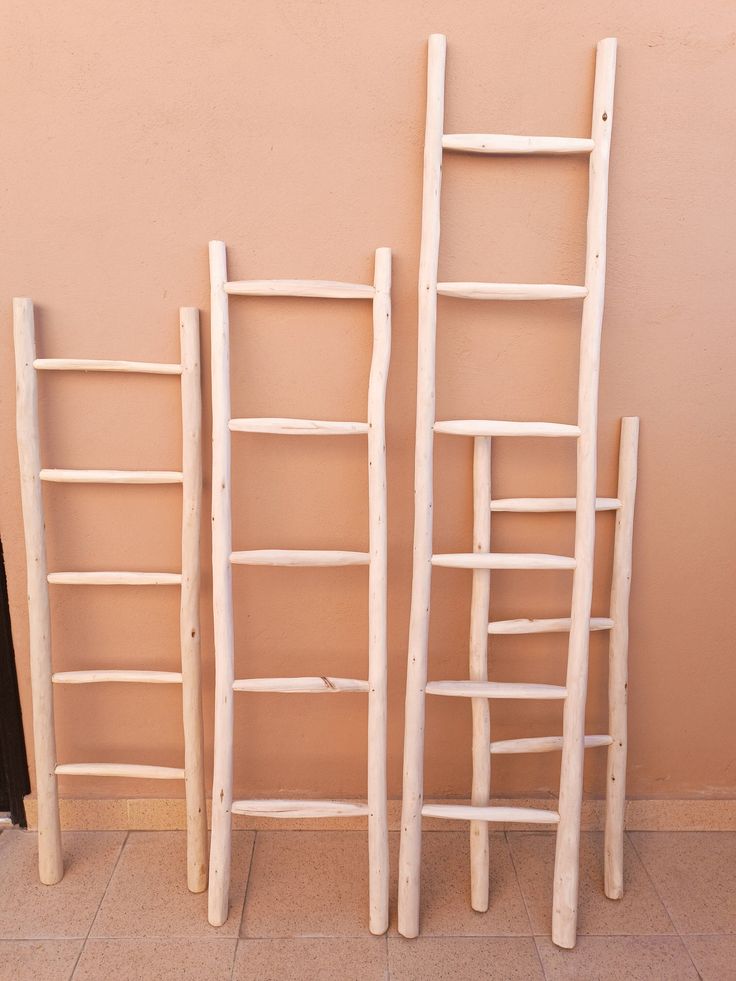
[555, 625]
[503, 143]
[495, 689]
[91, 364]
[115, 578]
[112, 476]
[501, 427]
[120, 770]
[298, 557]
[543, 505]
[502, 560]
[299, 808]
[288, 685]
[298, 427]
[513, 291]
[542, 744]
[102, 677]
[468, 812]
[300, 287]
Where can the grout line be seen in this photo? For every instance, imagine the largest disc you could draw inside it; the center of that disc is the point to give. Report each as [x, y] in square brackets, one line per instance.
[245, 898]
[526, 906]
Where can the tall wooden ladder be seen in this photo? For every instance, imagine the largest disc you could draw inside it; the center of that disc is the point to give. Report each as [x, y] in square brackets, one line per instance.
[223, 558]
[482, 560]
[43, 677]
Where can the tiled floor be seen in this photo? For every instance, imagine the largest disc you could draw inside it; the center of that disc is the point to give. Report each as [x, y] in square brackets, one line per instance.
[298, 911]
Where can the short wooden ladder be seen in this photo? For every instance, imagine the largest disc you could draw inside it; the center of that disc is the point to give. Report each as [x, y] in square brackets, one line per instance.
[224, 557]
[43, 677]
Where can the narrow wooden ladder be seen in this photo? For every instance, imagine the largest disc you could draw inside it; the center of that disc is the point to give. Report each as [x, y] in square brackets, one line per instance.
[43, 677]
[224, 557]
[478, 688]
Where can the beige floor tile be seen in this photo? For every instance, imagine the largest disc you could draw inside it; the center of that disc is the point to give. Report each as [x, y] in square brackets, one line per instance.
[40, 960]
[445, 897]
[30, 910]
[316, 959]
[695, 874]
[639, 912]
[618, 959]
[308, 884]
[464, 959]
[156, 960]
[714, 957]
[148, 895]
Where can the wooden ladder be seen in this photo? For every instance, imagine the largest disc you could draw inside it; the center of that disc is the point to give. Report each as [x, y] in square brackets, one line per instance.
[43, 677]
[482, 560]
[223, 558]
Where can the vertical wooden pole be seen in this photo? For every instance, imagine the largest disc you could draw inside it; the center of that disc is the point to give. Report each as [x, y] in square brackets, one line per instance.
[222, 787]
[377, 598]
[618, 655]
[416, 679]
[191, 667]
[479, 606]
[566, 876]
[50, 859]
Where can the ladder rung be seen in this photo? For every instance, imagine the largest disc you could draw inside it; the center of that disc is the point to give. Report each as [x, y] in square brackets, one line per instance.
[95, 677]
[503, 143]
[90, 364]
[539, 505]
[299, 808]
[495, 689]
[286, 685]
[298, 427]
[112, 476]
[513, 291]
[300, 287]
[120, 770]
[502, 427]
[468, 812]
[556, 625]
[115, 578]
[503, 560]
[542, 744]
[298, 557]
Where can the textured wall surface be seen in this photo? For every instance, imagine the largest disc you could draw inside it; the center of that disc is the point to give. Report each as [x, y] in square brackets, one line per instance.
[135, 133]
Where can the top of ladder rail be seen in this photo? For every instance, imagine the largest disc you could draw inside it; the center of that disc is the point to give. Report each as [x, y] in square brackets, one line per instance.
[513, 291]
[505, 143]
[93, 364]
[325, 289]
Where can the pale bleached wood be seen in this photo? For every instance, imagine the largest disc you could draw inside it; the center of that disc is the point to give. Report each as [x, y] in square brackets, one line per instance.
[566, 875]
[50, 860]
[544, 505]
[299, 557]
[467, 812]
[478, 672]
[553, 625]
[495, 689]
[300, 287]
[91, 364]
[542, 744]
[378, 859]
[124, 676]
[133, 770]
[300, 808]
[500, 427]
[502, 560]
[298, 427]
[112, 476]
[618, 661]
[222, 781]
[189, 625]
[115, 578]
[512, 291]
[505, 143]
[416, 672]
[316, 684]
